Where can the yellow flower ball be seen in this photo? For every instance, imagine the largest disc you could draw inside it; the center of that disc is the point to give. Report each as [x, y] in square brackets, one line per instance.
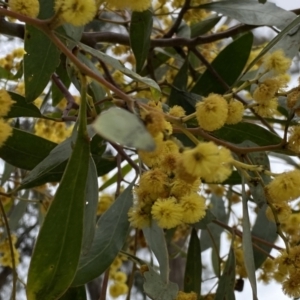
[29, 8]
[211, 113]
[284, 187]
[76, 12]
[235, 112]
[167, 212]
[277, 62]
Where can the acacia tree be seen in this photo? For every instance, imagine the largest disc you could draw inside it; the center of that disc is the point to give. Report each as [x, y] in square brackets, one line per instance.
[176, 112]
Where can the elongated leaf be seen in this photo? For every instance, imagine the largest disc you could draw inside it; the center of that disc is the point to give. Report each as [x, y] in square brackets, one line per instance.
[40, 61]
[225, 290]
[139, 33]
[58, 246]
[118, 66]
[21, 108]
[25, 150]
[204, 26]
[229, 64]
[247, 244]
[74, 293]
[249, 12]
[17, 213]
[155, 238]
[265, 230]
[90, 211]
[156, 288]
[218, 210]
[193, 269]
[241, 132]
[119, 126]
[111, 233]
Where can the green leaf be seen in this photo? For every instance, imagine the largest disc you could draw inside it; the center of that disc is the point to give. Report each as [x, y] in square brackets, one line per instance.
[111, 233]
[25, 150]
[158, 289]
[193, 269]
[265, 230]
[229, 64]
[118, 66]
[120, 126]
[21, 108]
[217, 212]
[247, 243]
[243, 131]
[74, 293]
[204, 26]
[225, 289]
[90, 211]
[40, 61]
[58, 246]
[155, 238]
[46, 9]
[249, 12]
[17, 213]
[139, 34]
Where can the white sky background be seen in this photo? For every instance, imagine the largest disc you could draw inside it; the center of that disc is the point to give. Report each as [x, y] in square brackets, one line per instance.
[272, 290]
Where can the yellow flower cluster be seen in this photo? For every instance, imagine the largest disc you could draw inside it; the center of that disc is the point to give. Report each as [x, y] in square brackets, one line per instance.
[29, 8]
[294, 139]
[288, 271]
[277, 62]
[11, 62]
[213, 112]
[51, 130]
[119, 278]
[76, 12]
[5, 258]
[5, 105]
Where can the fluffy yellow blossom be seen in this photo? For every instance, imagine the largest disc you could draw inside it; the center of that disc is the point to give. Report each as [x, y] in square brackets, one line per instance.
[194, 207]
[293, 102]
[223, 169]
[155, 183]
[138, 217]
[29, 8]
[134, 5]
[267, 108]
[212, 112]
[180, 188]
[5, 132]
[167, 212]
[294, 139]
[284, 187]
[76, 12]
[207, 161]
[119, 276]
[154, 121]
[266, 90]
[5, 258]
[235, 112]
[177, 111]
[291, 286]
[186, 296]
[282, 210]
[117, 289]
[277, 61]
[5, 102]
